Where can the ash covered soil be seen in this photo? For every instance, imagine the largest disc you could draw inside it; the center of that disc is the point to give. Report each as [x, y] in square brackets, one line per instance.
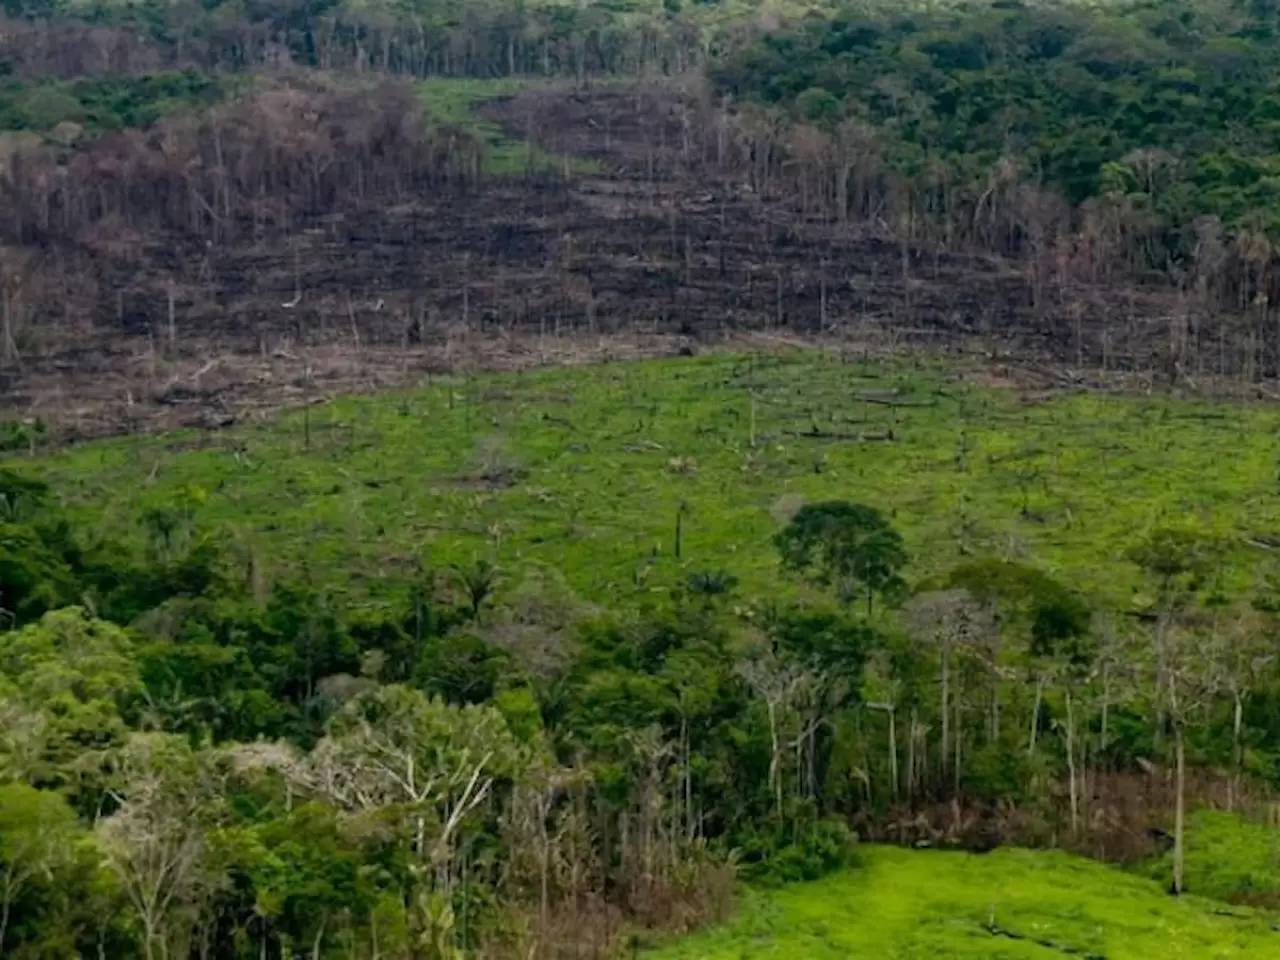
[646, 254]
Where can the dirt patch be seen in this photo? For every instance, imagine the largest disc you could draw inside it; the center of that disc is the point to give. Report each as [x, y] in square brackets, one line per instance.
[141, 393]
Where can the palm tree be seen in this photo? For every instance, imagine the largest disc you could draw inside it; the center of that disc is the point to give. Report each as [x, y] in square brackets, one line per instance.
[478, 581]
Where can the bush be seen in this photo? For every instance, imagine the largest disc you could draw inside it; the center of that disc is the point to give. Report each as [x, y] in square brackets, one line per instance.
[999, 771]
[20, 434]
[803, 852]
[1227, 858]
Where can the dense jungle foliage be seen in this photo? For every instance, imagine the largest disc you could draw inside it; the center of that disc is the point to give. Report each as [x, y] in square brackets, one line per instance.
[1169, 104]
[100, 104]
[446, 38]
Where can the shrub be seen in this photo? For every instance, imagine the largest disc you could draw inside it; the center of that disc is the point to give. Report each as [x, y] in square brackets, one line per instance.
[802, 852]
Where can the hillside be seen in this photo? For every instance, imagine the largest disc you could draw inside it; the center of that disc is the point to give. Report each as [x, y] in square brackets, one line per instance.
[492, 479]
[589, 471]
[1011, 904]
[188, 186]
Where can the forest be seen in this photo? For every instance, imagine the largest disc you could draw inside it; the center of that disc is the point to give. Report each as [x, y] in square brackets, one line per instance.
[946, 517]
[197, 763]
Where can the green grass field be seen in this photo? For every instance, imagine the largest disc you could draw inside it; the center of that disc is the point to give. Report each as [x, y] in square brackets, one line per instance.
[586, 469]
[1007, 905]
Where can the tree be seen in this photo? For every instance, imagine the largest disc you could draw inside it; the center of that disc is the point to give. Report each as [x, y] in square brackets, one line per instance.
[779, 683]
[71, 677]
[307, 873]
[157, 840]
[832, 651]
[395, 749]
[1239, 653]
[953, 620]
[1179, 562]
[33, 577]
[846, 545]
[1055, 624]
[884, 693]
[38, 832]
[478, 581]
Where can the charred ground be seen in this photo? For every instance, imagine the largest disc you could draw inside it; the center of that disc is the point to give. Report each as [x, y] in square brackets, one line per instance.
[134, 320]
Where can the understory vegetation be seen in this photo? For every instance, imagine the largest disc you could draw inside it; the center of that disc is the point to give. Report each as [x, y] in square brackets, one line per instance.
[284, 698]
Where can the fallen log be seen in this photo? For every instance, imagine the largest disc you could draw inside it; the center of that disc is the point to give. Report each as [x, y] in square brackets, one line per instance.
[1067, 949]
[888, 402]
[816, 434]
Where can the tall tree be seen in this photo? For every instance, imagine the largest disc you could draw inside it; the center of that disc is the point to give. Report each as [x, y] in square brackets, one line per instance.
[157, 840]
[1180, 563]
[955, 622]
[38, 832]
[846, 545]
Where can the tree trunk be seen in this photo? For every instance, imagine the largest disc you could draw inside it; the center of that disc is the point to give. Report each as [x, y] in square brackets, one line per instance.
[995, 704]
[775, 778]
[893, 751]
[946, 721]
[911, 758]
[319, 940]
[1179, 809]
[173, 325]
[1237, 723]
[1035, 717]
[1071, 769]
[6, 328]
[4, 921]
[957, 738]
[148, 938]
[1106, 708]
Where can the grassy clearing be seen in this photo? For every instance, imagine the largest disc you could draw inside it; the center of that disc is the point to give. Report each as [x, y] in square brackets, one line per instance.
[904, 905]
[586, 470]
[453, 101]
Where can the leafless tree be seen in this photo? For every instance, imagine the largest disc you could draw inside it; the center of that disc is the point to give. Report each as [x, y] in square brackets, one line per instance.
[951, 620]
[156, 840]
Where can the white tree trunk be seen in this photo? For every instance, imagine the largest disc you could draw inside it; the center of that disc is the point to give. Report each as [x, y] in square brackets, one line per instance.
[943, 754]
[1035, 717]
[1237, 751]
[893, 752]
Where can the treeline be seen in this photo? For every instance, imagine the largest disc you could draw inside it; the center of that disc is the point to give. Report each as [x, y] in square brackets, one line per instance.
[265, 161]
[1105, 143]
[422, 39]
[81, 221]
[96, 105]
[201, 758]
[1124, 147]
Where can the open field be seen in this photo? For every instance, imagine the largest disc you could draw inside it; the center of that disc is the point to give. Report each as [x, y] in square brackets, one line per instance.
[904, 905]
[587, 470]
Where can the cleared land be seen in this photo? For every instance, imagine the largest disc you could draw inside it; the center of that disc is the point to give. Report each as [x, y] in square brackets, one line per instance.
[636, 242]
[587, 469]
[903, 905]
